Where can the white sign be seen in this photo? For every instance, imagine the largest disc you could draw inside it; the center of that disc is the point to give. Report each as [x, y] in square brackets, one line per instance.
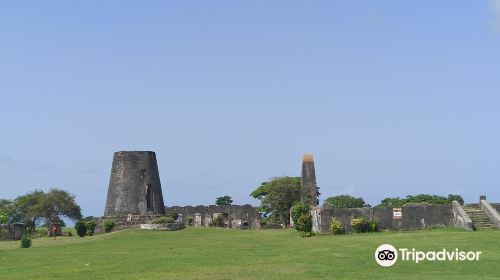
[397, 213]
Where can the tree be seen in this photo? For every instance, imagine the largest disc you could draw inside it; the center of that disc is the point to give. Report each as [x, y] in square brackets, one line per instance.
[458, 198]
[422, 199]
[277, 198]
[345, 201]
[27, 208]
[57, 203]
[224, 200]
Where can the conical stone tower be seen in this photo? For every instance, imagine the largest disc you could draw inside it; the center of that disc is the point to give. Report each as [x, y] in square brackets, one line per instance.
[134, 185]
[308, 181]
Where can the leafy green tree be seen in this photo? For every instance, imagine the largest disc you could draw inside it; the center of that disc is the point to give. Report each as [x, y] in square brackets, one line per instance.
[27, 208]
[224, 200]
[277, 198]
[458, 198]
[6, 211]
[3, 217]
[345, 201]
[421, 199]
[391, 202]
[57, 203]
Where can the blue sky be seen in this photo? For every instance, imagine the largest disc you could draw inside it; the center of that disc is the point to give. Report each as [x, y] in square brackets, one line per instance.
[393, 98]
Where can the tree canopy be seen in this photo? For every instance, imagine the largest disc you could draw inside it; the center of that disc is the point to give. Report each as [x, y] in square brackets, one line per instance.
[345, 201]
[277, 198]
[37, 205]
[421, 198]
[224, 200]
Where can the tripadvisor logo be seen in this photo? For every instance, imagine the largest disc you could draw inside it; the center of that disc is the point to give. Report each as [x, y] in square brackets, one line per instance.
[387, 255]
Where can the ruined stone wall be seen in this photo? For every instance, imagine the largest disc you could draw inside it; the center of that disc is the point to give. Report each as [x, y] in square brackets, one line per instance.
[414, 217]
[123, 222]
[134, 185]
[238, 216]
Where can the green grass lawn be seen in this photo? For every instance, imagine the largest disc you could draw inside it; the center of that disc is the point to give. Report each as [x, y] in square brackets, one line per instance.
[215, 253]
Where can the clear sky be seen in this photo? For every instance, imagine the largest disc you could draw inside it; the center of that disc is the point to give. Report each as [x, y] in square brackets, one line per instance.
[392, 97]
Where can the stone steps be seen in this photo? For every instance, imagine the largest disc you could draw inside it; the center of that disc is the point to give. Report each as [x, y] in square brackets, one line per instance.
[480, 220]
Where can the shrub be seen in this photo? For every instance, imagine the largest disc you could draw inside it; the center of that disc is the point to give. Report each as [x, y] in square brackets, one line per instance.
[41, 231]
[360, 225]
[108, 225]
[336, 226]
[298, 210]
[4, 233]
[163, 220]
[81, 228]
[90, 227]
[304, 225]
[25, 241]
[174, 216]
[374, 225]
[218, 221]
[190, 220]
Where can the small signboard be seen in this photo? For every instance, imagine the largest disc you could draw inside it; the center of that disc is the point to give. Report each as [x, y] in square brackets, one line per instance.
[397, 213]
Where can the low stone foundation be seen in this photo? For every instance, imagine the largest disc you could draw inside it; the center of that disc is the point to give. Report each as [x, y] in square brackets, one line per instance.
[163, 227]
[125, 222]
[234, 216]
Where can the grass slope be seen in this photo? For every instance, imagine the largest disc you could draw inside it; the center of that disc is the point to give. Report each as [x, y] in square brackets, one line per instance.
[214, 253]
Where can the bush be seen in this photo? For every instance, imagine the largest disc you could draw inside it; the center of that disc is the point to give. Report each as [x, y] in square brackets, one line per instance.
[360, 225]
[336, 226]
[374, 225]
[163, 220]
[41, 231]
[4, 233]
[174, 216]
[190, 220]
[108, 225]
[218, 221]
[298, 210]
[90, 227]
[25, 241]
[304, 225]
[81, 228]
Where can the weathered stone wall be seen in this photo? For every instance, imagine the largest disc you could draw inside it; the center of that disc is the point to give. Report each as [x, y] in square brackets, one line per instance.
[414, 217]
[123, 222]
[460, 217]
[163, 227]
[235, 216]
[134, 185]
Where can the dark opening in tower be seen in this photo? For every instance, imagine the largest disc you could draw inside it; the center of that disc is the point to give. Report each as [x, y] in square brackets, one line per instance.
[149, 198]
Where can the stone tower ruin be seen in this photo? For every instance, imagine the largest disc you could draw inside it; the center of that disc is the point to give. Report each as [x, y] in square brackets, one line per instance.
[134, 185]
[308, 181]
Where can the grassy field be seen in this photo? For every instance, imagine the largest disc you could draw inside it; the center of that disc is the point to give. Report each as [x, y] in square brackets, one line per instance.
[214, 253]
